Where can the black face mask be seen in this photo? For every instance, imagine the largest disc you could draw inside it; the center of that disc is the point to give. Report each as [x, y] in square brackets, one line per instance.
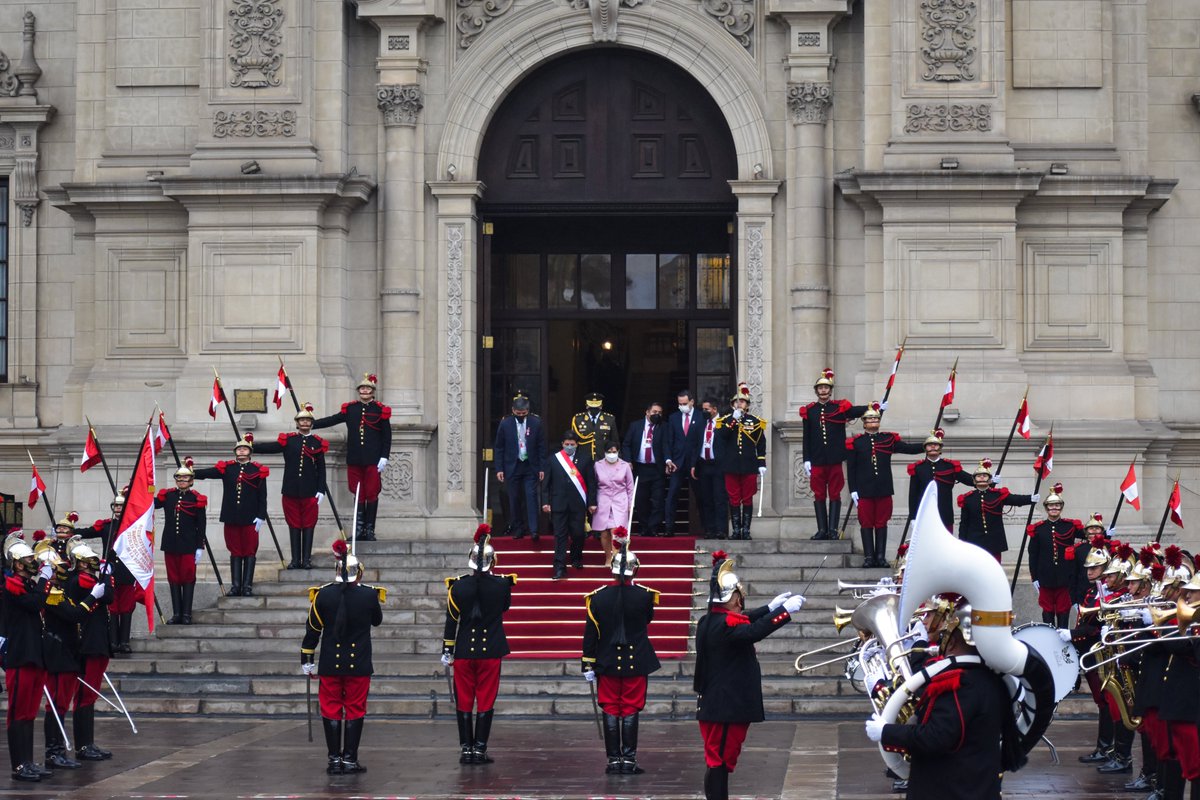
[655, 419]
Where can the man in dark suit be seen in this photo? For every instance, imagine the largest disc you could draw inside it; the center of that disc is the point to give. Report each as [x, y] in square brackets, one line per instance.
[643, 449]
[682, 440]
[520, 457]
[569, 492]
[706, 471]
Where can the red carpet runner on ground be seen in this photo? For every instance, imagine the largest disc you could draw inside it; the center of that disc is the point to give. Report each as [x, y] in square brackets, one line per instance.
[547, 616]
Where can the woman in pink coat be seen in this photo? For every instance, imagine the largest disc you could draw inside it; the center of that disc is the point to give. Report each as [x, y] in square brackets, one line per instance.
[614, 495]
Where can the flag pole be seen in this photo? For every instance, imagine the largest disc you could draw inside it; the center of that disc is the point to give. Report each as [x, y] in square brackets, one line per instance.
[891, 378]
[1037, 486]
[1120, 500]
[937, 423]
[1013, 430]
[204, 535]
[1166, 511]
[238, 437]
[332, 505]
[103, 461]
[45, 494]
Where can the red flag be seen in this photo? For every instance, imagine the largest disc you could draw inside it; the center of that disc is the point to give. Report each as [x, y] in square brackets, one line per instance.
[37, 488]
[1176, 506]
[948, 397]
[134, 543]
[217, 398]
[1129, 488]
[281, 387]
[91, 452]
[162, 434]
[1044, 463]
[895, 367]
[1023, 422]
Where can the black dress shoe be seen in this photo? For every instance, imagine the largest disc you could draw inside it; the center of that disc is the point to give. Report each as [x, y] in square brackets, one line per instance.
[613, 768]
[518, 535]
[1098, 756]
[89, 752]
[559, 574]
[1116, 766]
[1142, 783]
[60, 760]
[25, 772]
[334, 767]
[352, 767]
[899, 786]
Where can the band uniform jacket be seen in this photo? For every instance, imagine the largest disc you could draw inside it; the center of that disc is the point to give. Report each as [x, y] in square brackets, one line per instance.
[955, 743]
[947, 472]
[743, 443]
[869, 462]
[592, 432]
[104, 530]
[728, 678]
[368, 431]
[824, 427]
[184, 520]
[558, 488]
[615, 638]
[303, 463]
[1053, 551]
[475, 606]
[24, 599]
[507, 450]
[62, 617]
[982, 519]
[245, 490]
[1087, 626]
[93, 631]
[340, 617]
[682, 449]
[631, 445]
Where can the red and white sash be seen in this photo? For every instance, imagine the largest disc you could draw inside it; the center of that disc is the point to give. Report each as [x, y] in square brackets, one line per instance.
[574, 473]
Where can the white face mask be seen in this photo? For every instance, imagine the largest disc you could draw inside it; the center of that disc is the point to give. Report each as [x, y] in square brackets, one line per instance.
[612, 457]
[684, 409]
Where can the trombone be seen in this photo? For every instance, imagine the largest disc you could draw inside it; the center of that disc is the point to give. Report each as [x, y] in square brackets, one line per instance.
[1132, 640]
[862, 591]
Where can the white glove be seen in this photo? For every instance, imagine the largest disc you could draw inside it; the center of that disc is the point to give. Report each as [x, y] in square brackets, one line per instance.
[1064, 634]
[737, 413]
[854, 497]
[1037, 587]
[808, 469]
[762, 472]
[875, 728]
[199, 555]
[1144, 614]
[45, 572]
[590, 676]
[309, 669]
[320, 497]
[98, 591]
[995, 481]
[2, 641]
[870, 652]
[1035, 497]
[793, 603]
[258, 525]
[1111, 530]
[382, 465]
[883, 405]
[919, 631]
[778, 601]
[447, 659]
[1104, 629]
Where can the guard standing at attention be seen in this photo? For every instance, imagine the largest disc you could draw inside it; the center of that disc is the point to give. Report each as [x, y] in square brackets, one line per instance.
[871, 489]
[743, 452]
[824, 450]
[185, 515]
[303, 482]
[243, 510]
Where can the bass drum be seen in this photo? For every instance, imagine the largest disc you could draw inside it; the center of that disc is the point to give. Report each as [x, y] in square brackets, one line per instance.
[1060, 656]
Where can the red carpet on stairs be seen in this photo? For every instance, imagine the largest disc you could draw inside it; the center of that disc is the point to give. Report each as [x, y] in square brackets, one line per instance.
[547, 616]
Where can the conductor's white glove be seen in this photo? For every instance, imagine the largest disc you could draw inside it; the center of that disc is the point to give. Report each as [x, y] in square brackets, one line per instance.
[875, 728]
[98, 590]
[590, 676]
[778, 601]
[382, 465]
[1064, 634]
[808, 469]
[447, 659]
[793, 603]
[309, 669]
[854, 497]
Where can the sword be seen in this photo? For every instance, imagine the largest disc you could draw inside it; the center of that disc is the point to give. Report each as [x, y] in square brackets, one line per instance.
[449, 683]
[57, 718]
[117, 695]
[761, 494]
[308, 703]
[105, 699]
[596, 709]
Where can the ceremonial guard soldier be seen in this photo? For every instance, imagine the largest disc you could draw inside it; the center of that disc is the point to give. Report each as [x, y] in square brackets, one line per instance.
[25, 594]
[368, 447]
[569, 494]
[243, 510]
[1086, 634]
[728, 679]
[593, 426]
[618, 656]
[982, 519]
[88, 581]
[823, 450]
[474, 643]
[1093, 532]
[64, 529]
[869, 467]
[643, 447]
[946, 471]
[1052, 550]
[743, 449]
[120, 620]
[185, 519]
[303, 482]
[520, 456]
[350, 609]
[706, 469]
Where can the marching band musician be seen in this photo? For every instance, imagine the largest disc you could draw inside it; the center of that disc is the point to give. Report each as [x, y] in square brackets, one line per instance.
[946, 471]
[824, 426]
[482, 598]
[25, 591]
[1052, 559]
[89, 580]
[869, 469]
[303, 484]
[182, 540]
[340, 617]
[243, 510]
[1086, 634]
[982, 519]
[1149, 665]
[743, 450]
[618, 655]
[1115, 575]
[728, 679]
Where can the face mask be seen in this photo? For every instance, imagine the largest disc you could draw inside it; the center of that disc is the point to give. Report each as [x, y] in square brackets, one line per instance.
[611, 457]
[569, 449]
[684, 409]
[655, 419]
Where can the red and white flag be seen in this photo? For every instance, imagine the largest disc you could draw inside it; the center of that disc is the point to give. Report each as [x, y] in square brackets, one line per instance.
[134, 542]
[37, 488]
[1024, 424]
[91, 452]
[948, 397]
[217, 398]
[162, 434]
[895, 368]
[1044, 463]
[1130, 490]
[1176, 506]
[281, 387]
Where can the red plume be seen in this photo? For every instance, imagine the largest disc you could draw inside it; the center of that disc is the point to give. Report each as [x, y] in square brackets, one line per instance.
[620, 535]
[1146, 556]
[72, 517]
[902, 550]
[1098, 541]
[1057, 489]
[986, 463]
[188, 462]
[249, 437]
[1124, 551]
[340, 548]
[1157, 572]
[939, 433]
[308, 407]
[719, 556]
[1173, 556]
[38, 535]
[371, 377]
[827, 373]
[483, 530]
[1098, 517]
[875, 407]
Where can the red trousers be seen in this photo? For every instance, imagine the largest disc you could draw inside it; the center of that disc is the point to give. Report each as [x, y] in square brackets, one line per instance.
[827, 481]
[24, 687]
[300, 512]
[741, 488]
[723, 742]
[476, 682]
[181, 567]
[61, 686]
[1056, 600]
[93, 672]
[124, 599]
[621, 697]
[346, 694]
[1174, 741]
[242, 540]
[365, 479]
[874, 512]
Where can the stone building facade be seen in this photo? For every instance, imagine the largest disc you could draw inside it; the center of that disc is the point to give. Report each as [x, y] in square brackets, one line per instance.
[1009, 183]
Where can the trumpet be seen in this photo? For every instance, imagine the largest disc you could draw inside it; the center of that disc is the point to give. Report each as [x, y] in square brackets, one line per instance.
[1131, 604]
[856, 642]
[861, 591]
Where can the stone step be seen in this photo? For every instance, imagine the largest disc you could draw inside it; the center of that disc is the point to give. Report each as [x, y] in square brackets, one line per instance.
[507, 546]
[456, 564]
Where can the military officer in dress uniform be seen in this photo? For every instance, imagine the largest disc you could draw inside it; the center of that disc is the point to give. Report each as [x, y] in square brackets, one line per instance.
[728, 678]
[593, 426]
[86, 581]
[25, 591]
[743, 449]
[303, 482]
[618, 656]
[368, 447]
[185, 515]
[869, 466]
[243, 510]
[120, 620]
[982, 519]
[340, 617]
[474, 642]
[1052, 551]
[823, 448]
[946, 471]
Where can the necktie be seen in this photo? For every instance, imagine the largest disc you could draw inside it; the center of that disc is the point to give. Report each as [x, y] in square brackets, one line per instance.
[648, 456]
[523, 453]
[708, 434]
[687, 421]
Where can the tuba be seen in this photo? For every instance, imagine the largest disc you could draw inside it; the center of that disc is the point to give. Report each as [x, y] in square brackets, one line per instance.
[940, 563]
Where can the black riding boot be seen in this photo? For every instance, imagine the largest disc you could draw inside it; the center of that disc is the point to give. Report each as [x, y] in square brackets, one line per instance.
[747, 515]
[235, 576]
[368, 532]
[126, 621]
[333, 743]
[1173, 782]
[1048, 617]
[612, 743]
[835, 532]
[1104, 741]
[188, 593]
[629, 739]
[483, 730]
[718, 784]
[465, 737]
[294, 542]
[21, 738]
[350, 762]
[822, 530]
[176, 604]
[868, 542]
[881, 548]
[360, 517]
[248, 575]
[735, 522]
[56, 748]
[1120, 761]
[84, 724]
[306, 546]
[114, 632]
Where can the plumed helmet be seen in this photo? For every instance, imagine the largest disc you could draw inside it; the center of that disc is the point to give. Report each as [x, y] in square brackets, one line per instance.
[119, 500]
[724, 581]
[984, 468]
[1095, 521]
[874, 411]
[68, 521]
[1098, 554]
[45, 553]
[186, 470]
[482, 556]
[347, 567]
[935, 437]
[901, 560]
[1178, 567]
[369, 380]
[1122, 559]
[305, 412]
[625, 563]
[742, 393]
[15, 548]
[79, 551]
[247, 440]
[1055, 496]
[1142, 567]
[826, 378]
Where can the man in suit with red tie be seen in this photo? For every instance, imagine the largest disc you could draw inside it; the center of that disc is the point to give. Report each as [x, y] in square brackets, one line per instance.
[706, 471]
[681, 439]
[643, 449]
[569, 493]
[520, 456]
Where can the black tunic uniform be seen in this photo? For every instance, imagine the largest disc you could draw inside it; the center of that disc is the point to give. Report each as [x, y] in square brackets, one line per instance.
[303, 463]
[1053, 552]
[728, 678]
[616, 641]
[947, 472]
[824, 426]
[245, 497]
[982, 519]
[63, 617]
[24, 599]
[475, 606]
[742, 443]
[340, 617]
[368, 431]
[93, 631]
[105, 530]
[869, 462]
[591, 433]
[183, 531]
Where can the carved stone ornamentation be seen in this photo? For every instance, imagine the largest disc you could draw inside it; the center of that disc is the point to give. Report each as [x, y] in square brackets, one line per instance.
[254, 39]
[809, 102]
[25, 187]
[474, 16]
[604, 16]
[248, 123]
[755, 288]
[801, 486]
[952, 117]
[948, 30]
[455, 358]
[397, 479]
[9, 85]
[400, 104]
[737, 17]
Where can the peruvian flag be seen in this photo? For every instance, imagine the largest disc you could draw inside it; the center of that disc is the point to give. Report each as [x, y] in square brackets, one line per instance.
[281, 387]
[162, 434]
[1023, 422]
[895, 368]
[217, 398]
[134, 543]
[37, 488]
[948, 397]
[1044, 463]
[91, 452]
[1130, 490]
[1176, 506]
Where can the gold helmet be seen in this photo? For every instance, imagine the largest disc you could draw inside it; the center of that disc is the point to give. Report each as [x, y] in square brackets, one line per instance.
[68, 521]
[348, 569]
[80, 551]
[874, 411]
[935, 437]
[1098, 554]
[1193, 583]
[369, 380]
[1095, 521]
[826, 378]
[186, 470]
[45, 553]
[1055, 496]
[247, 440]
[984, 468]
[901, 561]
[1122, 560]
[625, 563]
[1142, 566]
[17, 552]
[1178, 567]
[305, 412]
[724, 581]
[742, 393]
[482, 556]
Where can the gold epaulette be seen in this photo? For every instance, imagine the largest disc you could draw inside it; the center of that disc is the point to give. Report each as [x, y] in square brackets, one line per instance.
[511, 577]
[379, 590]
[312, 592]
[55, 596]
[654, 593]
[593, 591]
[450, 581]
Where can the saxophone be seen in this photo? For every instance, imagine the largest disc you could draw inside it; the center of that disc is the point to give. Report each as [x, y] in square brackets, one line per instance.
[1118, 681]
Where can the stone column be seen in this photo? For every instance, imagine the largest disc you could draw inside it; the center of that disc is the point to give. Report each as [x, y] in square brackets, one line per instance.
[402, 342]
